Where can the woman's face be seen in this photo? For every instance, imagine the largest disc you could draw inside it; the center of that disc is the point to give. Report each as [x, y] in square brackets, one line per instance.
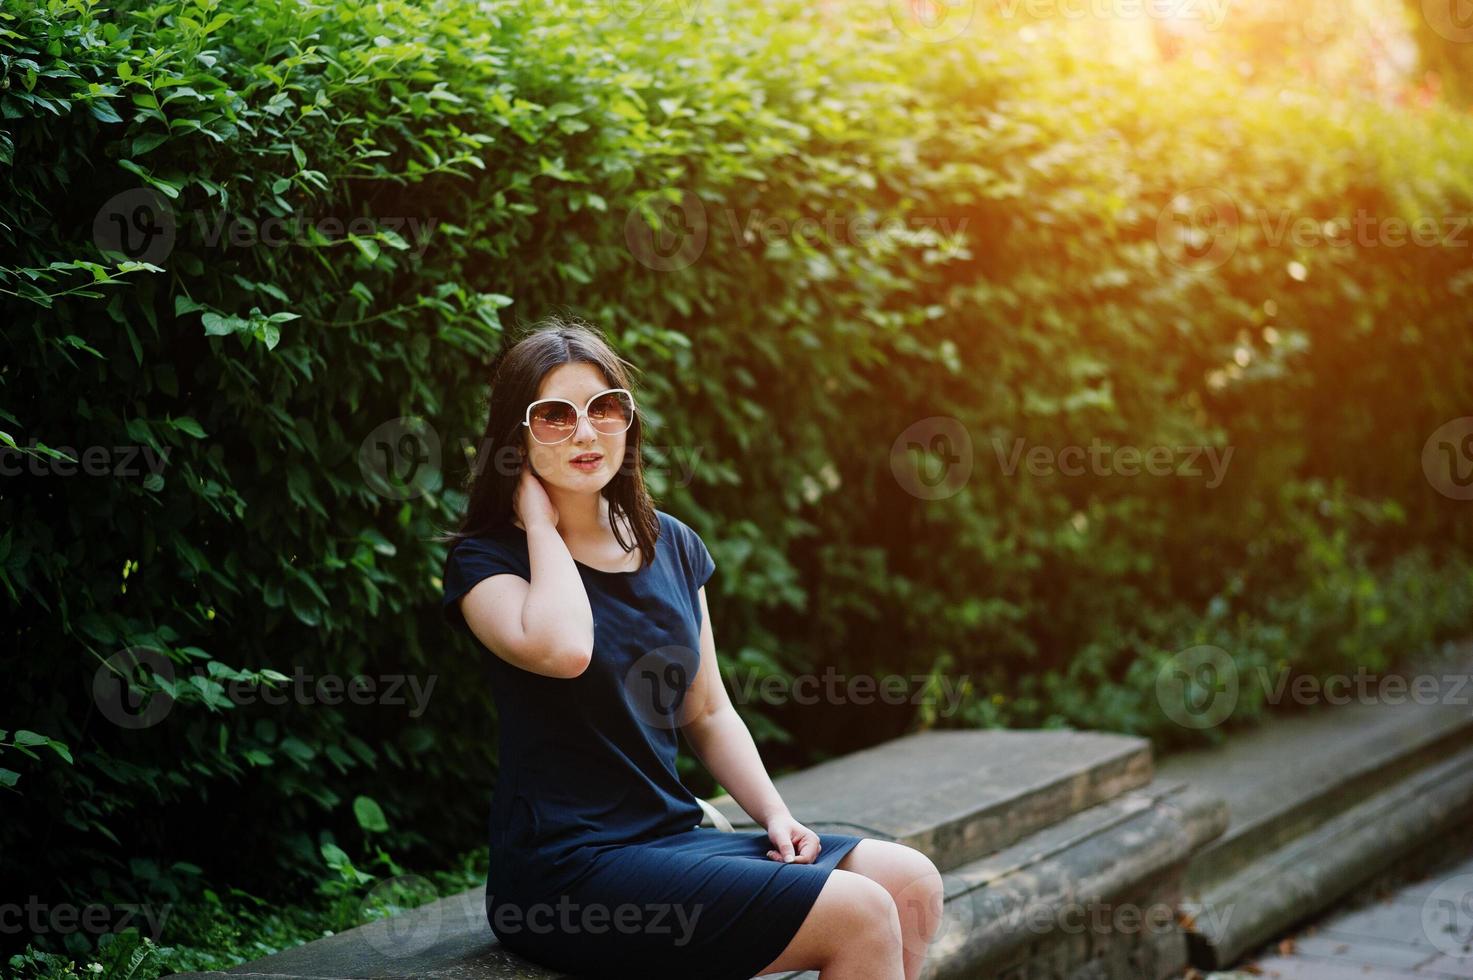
[576, 382]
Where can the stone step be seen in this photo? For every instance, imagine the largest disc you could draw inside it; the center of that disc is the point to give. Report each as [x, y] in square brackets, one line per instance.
[1102, 884]
[959, 795]
[1283, 887]
[1292, 773]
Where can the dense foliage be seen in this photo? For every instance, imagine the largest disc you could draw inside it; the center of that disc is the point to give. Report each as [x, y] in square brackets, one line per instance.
[245, 240]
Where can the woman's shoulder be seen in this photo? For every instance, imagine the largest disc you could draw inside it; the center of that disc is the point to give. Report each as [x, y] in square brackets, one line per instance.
[506, 540]
[669, 522]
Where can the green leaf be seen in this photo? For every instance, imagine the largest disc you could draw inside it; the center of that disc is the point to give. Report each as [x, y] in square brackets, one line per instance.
[189, 426]
[148, 141]
[220, 326]
[104, 112]
[370, 815]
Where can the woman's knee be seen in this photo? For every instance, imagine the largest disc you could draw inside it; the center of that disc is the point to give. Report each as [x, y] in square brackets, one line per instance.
[864, 907]
[853, 916]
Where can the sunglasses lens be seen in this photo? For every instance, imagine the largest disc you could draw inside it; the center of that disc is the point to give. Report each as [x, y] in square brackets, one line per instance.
[553, 421]
[612, 412]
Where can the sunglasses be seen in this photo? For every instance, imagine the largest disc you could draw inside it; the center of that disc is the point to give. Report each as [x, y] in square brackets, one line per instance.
[554, 420]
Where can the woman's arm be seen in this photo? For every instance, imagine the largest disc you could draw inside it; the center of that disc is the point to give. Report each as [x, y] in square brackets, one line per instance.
[545, 625]
[720, 738]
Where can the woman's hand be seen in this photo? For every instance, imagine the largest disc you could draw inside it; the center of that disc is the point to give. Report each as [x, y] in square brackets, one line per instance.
[789, 836]
[531, 502]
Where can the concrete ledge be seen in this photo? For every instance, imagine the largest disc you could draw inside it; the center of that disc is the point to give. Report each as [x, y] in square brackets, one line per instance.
[958, 795]
[1292, 773]
[1287, 885]
[1082, 891]
[1324, 800]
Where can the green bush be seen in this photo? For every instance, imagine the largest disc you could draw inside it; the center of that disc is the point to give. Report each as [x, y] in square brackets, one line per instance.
[891, 231]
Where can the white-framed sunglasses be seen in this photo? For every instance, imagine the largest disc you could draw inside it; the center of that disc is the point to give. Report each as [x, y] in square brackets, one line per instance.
[554, 420]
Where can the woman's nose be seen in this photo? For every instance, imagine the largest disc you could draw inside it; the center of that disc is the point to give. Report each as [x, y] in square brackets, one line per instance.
[579, 431]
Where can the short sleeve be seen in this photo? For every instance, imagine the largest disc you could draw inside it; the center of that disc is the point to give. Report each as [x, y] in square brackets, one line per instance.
[698, 556]
[471, 561]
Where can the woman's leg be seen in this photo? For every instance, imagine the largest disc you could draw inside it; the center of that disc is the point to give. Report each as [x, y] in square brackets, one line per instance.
[913, 882]
[851, 933]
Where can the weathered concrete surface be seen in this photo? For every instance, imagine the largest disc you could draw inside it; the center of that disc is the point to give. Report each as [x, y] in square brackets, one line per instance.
[1308, 874]
[959, 795]
[1324, 800]
[1099, 887]
[1292, 773]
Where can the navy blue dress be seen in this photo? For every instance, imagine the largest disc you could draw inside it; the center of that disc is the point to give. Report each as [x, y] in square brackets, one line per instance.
[599, 865]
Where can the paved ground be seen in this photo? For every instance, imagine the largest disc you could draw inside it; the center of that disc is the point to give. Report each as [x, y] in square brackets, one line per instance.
[1417, 930]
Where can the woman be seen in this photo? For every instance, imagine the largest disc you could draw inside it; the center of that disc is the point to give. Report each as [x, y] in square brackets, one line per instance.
[592, 608]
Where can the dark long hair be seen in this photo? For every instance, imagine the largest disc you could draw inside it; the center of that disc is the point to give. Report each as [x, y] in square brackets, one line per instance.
[516, 376]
